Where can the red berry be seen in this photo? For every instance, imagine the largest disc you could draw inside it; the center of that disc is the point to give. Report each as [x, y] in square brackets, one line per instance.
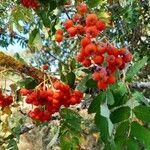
[96, 76]
[59, 31]
[111, 79]
[24, 92]
[98, 59]
[100, 50]
[90, 49]
[80, 57]
[85, 41]
[127, 57]
[91, 20]
[82, 8]
[77, 17]
[45, 67]
[102, 85]
[122, 51]
[118, 61]
[110, 59]
[72, 31]
[100, 25]
[91, 31]
[58, 38]
[80, 29]
[68, 24]
[86, 62]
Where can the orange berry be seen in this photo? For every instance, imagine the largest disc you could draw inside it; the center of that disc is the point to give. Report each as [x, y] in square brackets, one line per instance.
[91, 20]
[58, 38]
[72, 31]
[82, 8]
[59, 31]
[85, 41]
[90, 49]
[110, 59]
[86, 62]
[111, 79]
[80, 29]
[80, 57]
[91, 31]
[24, 92]
[77, 17]
[100, 50]
[122, 51]
[68, 24]
[127, 57]
[98, 59]
[102, 85]
[96, 76]
[100, 25]
[118, 61]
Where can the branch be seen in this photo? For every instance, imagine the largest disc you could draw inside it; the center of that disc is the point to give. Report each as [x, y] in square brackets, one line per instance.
[10, 62]
[140, 85]
[26, 128]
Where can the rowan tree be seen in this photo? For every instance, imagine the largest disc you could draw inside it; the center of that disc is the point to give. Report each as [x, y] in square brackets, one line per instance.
[76, 55]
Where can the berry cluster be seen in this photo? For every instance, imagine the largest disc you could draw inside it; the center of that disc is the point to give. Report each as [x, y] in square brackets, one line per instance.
[5, 100]
[30, 4]
[81, 24]
[49, 100]
[107, 59]
[104, 56]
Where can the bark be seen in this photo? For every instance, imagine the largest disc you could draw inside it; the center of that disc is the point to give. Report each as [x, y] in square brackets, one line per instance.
[140, 85]
[11, 63]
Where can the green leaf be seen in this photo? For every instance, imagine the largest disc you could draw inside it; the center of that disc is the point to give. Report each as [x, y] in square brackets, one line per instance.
[112, 146]
[102, 125]
[70, 130]
[120, 114]
[95, 104]
[141, 133]
[82, 85]
[71, 119]
[35, 39]
[72, 64]
[44, 17]
[105, 112]
[142, 113]
[71, 79]
[110, 97]
[132, 145]
[140, 98]
[86, 71]
[28, 83]
[32, 37]
[37, 42]
[63, 77]
[120, 93]
[12, 145]
[134, 70]
[122, 130]
[91, 83]
[121, 88]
